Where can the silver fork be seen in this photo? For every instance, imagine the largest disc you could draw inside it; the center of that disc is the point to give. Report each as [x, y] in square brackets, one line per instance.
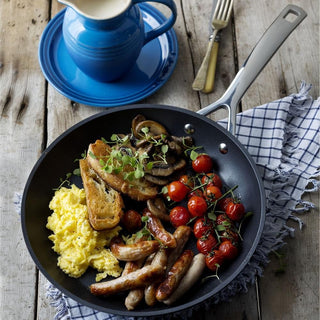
[220, 20]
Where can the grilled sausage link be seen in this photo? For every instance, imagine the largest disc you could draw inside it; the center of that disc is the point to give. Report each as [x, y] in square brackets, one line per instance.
[155, 226]
[182, 235]
[160, 260]
[133, 280]
[135, 296]
[190, 278]
[133, 252]
[176, 273]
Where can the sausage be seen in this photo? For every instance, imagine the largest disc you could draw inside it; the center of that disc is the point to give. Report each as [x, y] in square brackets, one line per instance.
[131, 266]
[132, 252]
[181, 234]
[166, 259]
[191, 277]
[133, 280]
[135, 296]
[160, 259]
[174, 276]
[155, 226]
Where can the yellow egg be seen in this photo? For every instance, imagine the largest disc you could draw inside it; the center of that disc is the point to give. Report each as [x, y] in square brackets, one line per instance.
[79, 246]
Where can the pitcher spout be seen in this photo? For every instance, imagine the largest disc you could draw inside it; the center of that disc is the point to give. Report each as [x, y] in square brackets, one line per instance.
[98, 9]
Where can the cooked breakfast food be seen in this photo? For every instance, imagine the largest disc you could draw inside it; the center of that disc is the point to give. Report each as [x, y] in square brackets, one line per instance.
[149, 193]
[105, 205]
[77, 243]
[138, 189]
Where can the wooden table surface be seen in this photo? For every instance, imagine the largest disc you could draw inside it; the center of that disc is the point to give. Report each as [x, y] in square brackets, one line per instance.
[33, 114]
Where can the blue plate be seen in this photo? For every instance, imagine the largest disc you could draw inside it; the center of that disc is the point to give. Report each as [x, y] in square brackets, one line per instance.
[153, 68]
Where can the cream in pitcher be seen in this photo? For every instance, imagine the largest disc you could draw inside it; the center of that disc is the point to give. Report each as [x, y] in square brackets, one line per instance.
[99, 9]
[105, 37]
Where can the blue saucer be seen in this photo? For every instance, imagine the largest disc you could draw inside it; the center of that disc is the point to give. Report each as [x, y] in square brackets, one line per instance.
[153, 68]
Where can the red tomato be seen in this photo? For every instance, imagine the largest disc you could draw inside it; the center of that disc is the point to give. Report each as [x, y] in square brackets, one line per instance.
[131, 220]
[197, 206]
[202, 227]
[196, 192]
[229, 250]
[223, 203]
[214, 260]
[202, 164]
[187, 181]
[235, 210]
[213, 193]
[177, 191]
[179, 216]
[212, 179]
[229, 234]
[222, 219]
[206, 243]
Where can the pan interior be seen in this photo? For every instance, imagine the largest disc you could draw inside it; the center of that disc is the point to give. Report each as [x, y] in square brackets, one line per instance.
[235, 168]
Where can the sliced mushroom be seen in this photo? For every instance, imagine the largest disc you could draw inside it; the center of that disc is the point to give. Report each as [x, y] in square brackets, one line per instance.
[155, 128]
[158, 208]
[180, 164]
[162, 169]
[135, 121]
[160, 181]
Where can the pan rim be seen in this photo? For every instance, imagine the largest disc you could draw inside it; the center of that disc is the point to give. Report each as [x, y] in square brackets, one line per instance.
[169, 309]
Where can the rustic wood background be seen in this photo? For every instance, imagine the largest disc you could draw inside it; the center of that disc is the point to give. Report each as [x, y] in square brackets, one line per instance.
[33, 114]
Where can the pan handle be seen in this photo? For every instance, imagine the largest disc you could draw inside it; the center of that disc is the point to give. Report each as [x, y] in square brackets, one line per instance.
[269, 43]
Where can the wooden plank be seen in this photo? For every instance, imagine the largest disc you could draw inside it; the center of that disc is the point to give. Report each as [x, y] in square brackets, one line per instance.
[295, 294]
[197, 18]
[290, 65]
[21, 104]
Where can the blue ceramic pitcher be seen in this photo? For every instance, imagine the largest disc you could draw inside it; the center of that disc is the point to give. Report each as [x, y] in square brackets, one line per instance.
[105, 37]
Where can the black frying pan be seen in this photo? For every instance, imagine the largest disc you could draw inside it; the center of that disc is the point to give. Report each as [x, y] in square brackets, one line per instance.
[232, 161]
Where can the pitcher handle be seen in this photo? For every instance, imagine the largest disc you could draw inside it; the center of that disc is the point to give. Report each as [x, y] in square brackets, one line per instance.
[154, 33]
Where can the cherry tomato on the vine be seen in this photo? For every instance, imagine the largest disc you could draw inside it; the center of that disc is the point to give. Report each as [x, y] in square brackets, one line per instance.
[177, 191]
[213, 193]
[202, 227]
[187, 181]
[229, 250]
[206, 243]
[214, 260]
[235, 210]
[223, 203]
[197, 206]
[196, 192]
[202, 164]
[211, 179]
[179, 216]
[229, 234]
[222, 219]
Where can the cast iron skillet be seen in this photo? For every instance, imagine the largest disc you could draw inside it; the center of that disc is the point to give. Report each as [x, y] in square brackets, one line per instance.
[232, 162]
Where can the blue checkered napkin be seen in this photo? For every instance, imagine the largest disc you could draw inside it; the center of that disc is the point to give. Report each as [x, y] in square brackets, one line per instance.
[283, 138]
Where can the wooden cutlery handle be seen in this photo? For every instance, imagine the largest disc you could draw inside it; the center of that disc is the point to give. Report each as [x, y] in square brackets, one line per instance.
[200, 80]
[209, 84]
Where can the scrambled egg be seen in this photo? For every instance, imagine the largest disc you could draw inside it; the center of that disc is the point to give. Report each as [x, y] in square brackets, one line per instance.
[77, 243]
